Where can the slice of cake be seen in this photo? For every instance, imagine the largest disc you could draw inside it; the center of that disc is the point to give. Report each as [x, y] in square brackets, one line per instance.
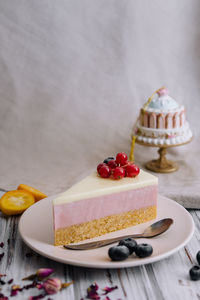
[96, 206]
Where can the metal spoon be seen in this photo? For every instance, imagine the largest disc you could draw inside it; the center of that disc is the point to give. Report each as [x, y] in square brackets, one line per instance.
[151, 231]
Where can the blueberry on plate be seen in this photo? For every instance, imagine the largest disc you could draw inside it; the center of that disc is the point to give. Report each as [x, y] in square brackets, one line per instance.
[118, 253]
[195, 273]
[143, 250]
[108, 159]
[129, 243]
[198, 257]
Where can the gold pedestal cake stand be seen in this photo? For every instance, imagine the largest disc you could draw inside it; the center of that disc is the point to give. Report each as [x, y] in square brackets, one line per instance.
[162, 164]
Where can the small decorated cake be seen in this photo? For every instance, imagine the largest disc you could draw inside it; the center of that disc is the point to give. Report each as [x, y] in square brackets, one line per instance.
[162, 121]
[117, 196]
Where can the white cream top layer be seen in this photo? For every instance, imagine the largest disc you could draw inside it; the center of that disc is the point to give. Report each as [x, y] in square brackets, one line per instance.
[95, 186]
[164, 104]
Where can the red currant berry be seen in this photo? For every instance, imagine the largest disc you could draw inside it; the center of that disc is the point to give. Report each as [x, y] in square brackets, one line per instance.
[118, 173]
[121, 158]
[105, 171]
[99, 166]
[132, 170]
[112, 164]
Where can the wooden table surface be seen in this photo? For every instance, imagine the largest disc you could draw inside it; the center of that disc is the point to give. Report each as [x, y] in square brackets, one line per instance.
[166, 279]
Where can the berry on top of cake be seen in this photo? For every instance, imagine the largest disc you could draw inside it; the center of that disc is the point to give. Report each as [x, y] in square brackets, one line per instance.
[117, 196]
[162, 121]
[117, 168]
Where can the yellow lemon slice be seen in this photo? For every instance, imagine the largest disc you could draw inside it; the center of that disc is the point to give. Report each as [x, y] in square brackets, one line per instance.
[15, 202]
[36, 193]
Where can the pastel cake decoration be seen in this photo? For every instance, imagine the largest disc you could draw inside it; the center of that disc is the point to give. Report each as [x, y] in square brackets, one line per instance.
[162, 121]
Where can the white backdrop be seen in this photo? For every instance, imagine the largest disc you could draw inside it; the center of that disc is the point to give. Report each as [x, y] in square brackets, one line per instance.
[73, 76]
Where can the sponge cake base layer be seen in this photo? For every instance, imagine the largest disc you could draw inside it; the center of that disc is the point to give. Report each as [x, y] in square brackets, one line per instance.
[98, 227]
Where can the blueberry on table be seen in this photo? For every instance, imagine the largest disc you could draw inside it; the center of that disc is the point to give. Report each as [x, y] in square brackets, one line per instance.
[143, 250]
[129, 243]
[108, 159]
[118, 253]
[198, 257]
[195, 273]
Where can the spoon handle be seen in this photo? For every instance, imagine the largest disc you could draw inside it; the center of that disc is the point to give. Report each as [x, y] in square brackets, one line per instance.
[98, 244]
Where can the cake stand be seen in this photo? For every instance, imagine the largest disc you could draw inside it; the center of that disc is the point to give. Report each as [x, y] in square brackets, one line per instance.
[162, 164]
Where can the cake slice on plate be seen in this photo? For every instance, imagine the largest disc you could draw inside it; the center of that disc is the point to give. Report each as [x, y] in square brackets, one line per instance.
[96, 206]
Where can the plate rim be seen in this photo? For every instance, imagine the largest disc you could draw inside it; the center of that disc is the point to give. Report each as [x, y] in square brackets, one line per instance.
[110, 265]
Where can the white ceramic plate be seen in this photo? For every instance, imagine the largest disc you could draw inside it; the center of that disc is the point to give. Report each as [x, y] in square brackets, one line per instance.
[36, 229]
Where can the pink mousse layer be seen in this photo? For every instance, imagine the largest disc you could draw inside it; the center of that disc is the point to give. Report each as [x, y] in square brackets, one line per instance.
[86, 210]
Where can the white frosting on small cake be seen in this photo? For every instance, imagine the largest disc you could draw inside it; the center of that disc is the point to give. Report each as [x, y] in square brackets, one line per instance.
[164, 104]
[95, 186]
